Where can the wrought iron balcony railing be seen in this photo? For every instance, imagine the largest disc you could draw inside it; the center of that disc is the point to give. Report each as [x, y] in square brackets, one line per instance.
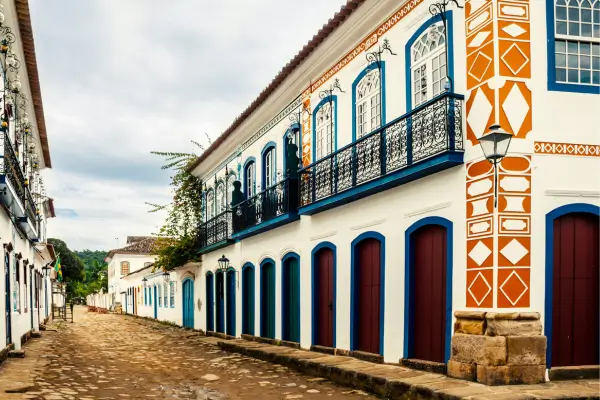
[433, 128]
[14, 175]
[273, 202]
[216, 229]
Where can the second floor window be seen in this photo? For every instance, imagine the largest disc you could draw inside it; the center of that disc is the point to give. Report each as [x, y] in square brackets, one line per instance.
[210, 204]
[428, 64]
[577, 41]
[269, 174]
[250, 179]
[325, 129]
[368, 103]
[124, 268]
[221, 201]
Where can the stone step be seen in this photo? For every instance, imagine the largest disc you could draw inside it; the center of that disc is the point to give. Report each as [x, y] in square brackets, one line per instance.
[16, 354]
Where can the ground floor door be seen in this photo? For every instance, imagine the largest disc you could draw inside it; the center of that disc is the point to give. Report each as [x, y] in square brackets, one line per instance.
[220, 302]
[210, 303]
[267, 300]
[290, 295]
[323, 298]
[575, 292]
[7, 297]
[187, 304]
[248, 296]
[155, 302]
[367, 291]
[428, 299]
[230, 319]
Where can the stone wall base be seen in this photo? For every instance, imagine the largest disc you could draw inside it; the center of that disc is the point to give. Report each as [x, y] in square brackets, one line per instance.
[498, 348]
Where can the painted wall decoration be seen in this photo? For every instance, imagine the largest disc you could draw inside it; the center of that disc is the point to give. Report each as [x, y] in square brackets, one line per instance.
[306, 133]
[498, 67]
[568, 149]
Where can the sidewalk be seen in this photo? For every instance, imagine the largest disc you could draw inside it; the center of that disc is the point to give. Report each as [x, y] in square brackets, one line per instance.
[401, 383]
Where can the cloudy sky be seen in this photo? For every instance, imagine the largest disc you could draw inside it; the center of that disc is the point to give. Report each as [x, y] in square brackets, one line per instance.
[121, 78]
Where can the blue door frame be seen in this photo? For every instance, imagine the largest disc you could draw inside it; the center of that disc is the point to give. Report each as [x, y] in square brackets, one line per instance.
[220, 301]
[155, 303]
[31, 286]
[248, 299]
[7, 299]
[188, 303]
[210, 302]
[230, 306]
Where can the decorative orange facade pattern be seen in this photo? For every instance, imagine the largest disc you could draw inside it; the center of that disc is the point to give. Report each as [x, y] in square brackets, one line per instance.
[306, 133]
[568, 149]
[498, 67]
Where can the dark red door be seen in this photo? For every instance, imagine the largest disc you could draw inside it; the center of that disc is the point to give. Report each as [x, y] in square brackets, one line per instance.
[367, 302]
[429, 293]
[575, 291]
[324, 297]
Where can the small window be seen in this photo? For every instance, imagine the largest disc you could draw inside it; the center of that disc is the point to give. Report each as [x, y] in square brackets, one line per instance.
[124, 267]
[368, 103]
[159, 296]
[165, 293]
[250, 179]
[428, 64]
[269, 177]
[172, 293]
[325, 128]
[210, 204]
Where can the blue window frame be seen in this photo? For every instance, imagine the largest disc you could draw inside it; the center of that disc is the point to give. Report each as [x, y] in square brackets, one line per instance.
[368, 100]
[269, 165]
[145, 296]
[165, 294]
[425, 59]
[296, 136]
[325, 127]
[573, 30]
[250, 177]
[172, 293]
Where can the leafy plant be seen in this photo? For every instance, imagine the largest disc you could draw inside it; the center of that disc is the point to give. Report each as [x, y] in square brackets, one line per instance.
[176, 243]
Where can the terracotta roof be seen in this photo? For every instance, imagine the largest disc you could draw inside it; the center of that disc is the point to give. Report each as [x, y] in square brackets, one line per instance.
[142, 247]
[135, 239]
[323, 33]
[22, 7]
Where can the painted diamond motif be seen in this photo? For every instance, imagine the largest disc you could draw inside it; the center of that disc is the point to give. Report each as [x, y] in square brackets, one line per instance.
[479, 113]
[516, 108]
[477, 286]
[479, 38]
[480, 253]
[481, 63]
[515, 59]
[512, 293]
[514, 251]
[514, 30]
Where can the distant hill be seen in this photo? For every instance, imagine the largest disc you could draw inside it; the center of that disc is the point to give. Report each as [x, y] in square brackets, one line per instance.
[88, 256]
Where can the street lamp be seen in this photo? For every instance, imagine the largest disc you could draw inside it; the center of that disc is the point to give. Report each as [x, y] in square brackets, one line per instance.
[46, 270]
[494, 145]
[166, 276]
[145, 282]
[223, 264]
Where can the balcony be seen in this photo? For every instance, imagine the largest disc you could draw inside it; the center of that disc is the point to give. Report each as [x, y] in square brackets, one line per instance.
[15, 195]
[429, 139]
[275, 206]
[216, 232]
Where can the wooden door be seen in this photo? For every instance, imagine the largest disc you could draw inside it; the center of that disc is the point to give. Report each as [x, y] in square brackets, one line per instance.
[155, 302]
[575, 291]
[248, 301]
[291, 300]
[367, 274]
[230, 328]
[210, 303]
[428, 272]
[7, 310]
[188, 303]
[267, 301]
[220, 303]
[324, 299]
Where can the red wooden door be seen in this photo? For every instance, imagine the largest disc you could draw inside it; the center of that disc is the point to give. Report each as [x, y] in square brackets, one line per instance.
[324, 297]
[368, 285]
[575, 291]
[429, 293]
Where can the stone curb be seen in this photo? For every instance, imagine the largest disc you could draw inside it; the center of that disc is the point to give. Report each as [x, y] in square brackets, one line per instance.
[392, 381]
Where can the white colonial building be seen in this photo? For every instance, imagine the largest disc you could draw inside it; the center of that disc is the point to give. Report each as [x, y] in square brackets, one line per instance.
[26, 286]
[354, 205]
[121, 262]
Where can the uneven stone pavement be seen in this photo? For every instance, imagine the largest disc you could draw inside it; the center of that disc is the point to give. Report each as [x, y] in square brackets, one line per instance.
[103, 356]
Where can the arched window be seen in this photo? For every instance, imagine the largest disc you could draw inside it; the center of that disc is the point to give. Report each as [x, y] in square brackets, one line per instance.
[210, 204]
[368, 101]
[325, 113]
[124, 267]
[428, 64]
[250, 178]
[221, 197]
[231, 177]
[269, 165]
[577, 41]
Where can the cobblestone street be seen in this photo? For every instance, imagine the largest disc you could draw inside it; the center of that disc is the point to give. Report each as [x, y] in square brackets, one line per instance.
[103, 356]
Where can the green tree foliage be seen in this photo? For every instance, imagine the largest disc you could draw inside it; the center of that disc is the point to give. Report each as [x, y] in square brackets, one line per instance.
[176, 243]
[72, 267]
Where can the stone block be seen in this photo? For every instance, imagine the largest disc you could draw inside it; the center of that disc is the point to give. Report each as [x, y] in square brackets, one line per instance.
[513, 327]
[470, 326]
[494, 351]
[423, 365]
[467, 348]
[470, 314]
[511, 374]
[572, 373]
[467, 371]
[16, 354]
[526, 350]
